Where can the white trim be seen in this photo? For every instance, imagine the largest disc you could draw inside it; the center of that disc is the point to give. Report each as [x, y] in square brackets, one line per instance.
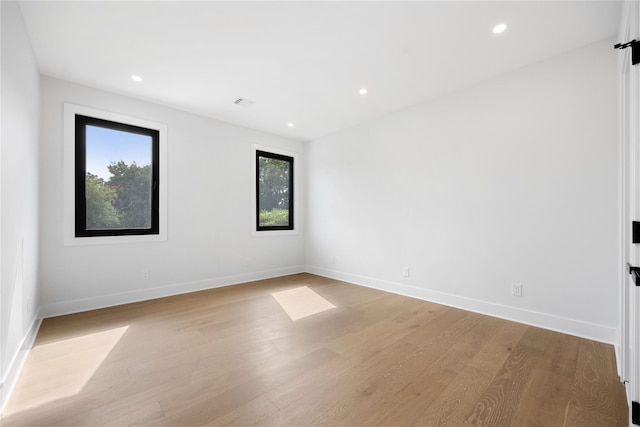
[10, 377]
[565, 325]
[626, 194]
[94, 303]
[296, 192]
[70, 111]
[629, 140]
[2, 340]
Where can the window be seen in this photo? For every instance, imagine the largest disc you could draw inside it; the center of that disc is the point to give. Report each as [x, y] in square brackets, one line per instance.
[116, 178]
[274, 191]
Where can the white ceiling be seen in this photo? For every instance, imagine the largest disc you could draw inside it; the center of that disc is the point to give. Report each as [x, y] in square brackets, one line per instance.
[302, 62]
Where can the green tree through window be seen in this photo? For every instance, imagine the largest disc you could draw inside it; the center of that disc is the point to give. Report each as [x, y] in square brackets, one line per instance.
[274, 178]
[132, 185]
[123, 201]
[100, 210]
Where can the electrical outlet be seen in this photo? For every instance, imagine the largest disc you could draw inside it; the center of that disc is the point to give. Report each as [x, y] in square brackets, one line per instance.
[405, 272]
[516, 289]
[145, 274]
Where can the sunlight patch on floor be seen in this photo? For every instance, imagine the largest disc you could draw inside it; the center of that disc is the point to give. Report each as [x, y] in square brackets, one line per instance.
[61, 369]
[301, 302]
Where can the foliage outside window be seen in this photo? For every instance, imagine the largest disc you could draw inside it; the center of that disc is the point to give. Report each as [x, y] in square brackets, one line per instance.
[274, 191]
[116, 178]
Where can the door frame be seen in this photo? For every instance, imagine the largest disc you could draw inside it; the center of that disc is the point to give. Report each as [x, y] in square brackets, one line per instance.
[629, 150]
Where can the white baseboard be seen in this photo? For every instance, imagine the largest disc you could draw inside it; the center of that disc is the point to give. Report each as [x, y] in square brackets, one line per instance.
[86, 304]
[565, 325]
[10, 377]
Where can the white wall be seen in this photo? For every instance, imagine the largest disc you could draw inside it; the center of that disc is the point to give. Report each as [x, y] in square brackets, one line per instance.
[512, 180]
[18, 195]
[210, 220]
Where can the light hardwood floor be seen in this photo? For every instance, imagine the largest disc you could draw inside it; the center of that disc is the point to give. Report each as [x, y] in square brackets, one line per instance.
[232, 356]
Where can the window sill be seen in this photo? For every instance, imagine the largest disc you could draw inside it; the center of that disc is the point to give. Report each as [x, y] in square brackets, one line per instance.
[274, 233]
[114, 240]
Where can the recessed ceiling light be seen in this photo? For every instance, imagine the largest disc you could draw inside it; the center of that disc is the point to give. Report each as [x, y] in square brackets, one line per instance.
[499, 29]
[363, 91]
[136, 78]
[290, 125]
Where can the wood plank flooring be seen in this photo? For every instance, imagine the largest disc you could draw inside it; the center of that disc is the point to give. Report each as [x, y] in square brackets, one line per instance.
[232, 356]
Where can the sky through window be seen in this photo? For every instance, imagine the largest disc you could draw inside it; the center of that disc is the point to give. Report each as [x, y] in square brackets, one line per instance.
[105, 146]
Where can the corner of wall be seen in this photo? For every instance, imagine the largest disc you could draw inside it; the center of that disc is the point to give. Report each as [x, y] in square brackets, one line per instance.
[19, 196]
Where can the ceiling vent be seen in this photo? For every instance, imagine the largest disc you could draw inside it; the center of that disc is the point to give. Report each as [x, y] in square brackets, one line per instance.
[244, 102]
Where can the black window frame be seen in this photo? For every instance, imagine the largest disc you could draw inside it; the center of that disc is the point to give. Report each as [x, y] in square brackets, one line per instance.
[81, 123]
[290, 160]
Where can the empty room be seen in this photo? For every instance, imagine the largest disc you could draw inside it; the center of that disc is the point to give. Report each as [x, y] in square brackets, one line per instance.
[300, 213]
